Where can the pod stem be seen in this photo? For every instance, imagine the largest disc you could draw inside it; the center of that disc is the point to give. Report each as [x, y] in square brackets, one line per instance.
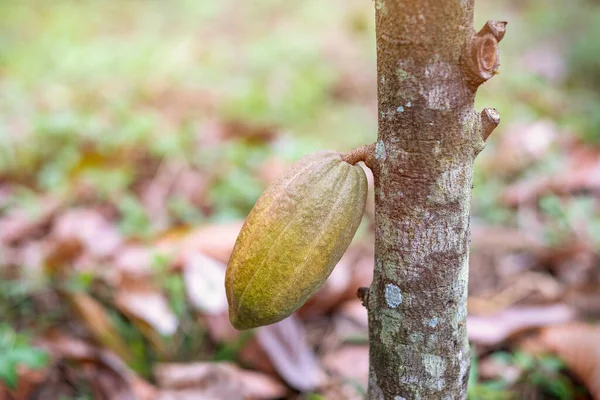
[365, 153]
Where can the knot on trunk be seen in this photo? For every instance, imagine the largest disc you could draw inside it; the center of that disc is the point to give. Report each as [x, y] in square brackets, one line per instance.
[481, 56]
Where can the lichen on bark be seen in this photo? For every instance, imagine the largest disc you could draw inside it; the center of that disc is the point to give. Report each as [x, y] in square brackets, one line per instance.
[429, 135]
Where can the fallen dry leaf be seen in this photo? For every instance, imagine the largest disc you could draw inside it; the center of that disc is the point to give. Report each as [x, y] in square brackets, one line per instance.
[149, 310]
[193, 394]
[514, 287]
[32, 256]
[585, 299]
[253, 356]
[355, 269]
[173, 180]
[87, 229]
[155, 192]
[210, 133]
[578, 345]
[342, 390]
[490, 368]
[219, 328]
[256, 133]
[149, 306]
[362, 273]
[494, 329]
[10, 255]
[215, 241]
[581, 173]
[497, 238]
[350, 324]
[6, 192]
[200, 375]
[204, 280]
[63, 346]
[285, 345]
[256, 385]
[216, 380]
[191, 185]
[28, 383]
[350, 362]
[95, 318]
[136, 261]
[355, 312]
[520, 145]
[107, 374]
[20, 223]
[334, 289]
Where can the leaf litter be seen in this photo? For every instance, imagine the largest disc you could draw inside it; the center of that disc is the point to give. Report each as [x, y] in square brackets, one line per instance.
[117, 223]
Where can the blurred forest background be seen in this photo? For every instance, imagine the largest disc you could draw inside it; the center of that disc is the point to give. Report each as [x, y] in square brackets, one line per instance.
[135, 136]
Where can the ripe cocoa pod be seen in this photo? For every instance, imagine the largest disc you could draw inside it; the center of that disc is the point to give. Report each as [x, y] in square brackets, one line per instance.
[292, 239]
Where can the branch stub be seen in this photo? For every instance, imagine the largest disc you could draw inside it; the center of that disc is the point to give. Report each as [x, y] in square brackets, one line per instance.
[490, 118]
[481, 57]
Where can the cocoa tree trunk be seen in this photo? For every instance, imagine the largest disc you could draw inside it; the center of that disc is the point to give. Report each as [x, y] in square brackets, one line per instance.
[430, 63]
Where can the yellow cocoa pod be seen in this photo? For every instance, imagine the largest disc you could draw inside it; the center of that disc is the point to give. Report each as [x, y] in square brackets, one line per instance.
[292, 239]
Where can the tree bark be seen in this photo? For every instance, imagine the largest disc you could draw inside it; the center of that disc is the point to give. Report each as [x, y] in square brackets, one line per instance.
[430, 63]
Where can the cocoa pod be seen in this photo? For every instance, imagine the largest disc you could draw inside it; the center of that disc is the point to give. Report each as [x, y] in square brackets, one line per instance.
[292, 239]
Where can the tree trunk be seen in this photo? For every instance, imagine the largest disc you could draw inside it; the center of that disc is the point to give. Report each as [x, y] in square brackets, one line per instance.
[430, 63]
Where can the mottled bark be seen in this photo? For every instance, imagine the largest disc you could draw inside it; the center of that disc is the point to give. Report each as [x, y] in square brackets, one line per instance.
[430, 63]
